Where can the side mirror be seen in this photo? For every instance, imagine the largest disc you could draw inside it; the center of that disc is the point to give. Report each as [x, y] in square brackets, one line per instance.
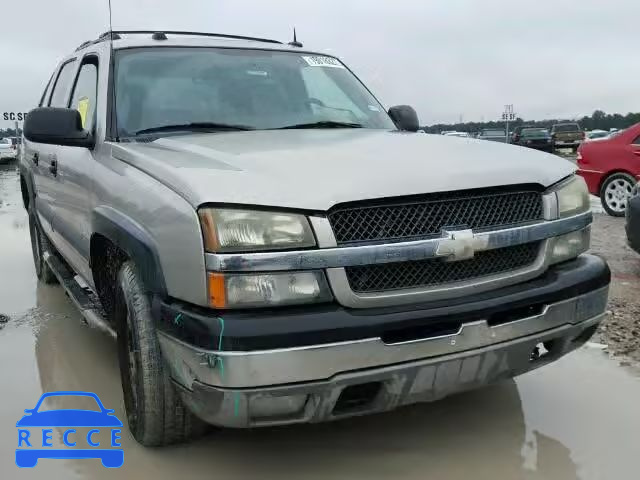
[57, 126]
[405, 118]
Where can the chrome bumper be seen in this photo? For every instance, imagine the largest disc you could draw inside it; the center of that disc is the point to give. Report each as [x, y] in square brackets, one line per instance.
[385, 388]
[318, 363]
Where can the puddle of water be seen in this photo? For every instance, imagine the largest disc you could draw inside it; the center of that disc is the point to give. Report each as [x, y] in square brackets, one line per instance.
[18, 281]
[575, 419]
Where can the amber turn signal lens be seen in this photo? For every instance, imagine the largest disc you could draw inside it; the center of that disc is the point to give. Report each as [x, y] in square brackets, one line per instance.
[209, 233]
[217, 292]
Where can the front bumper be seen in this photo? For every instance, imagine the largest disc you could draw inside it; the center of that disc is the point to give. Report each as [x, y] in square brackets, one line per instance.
[440, 350]
[633, 223]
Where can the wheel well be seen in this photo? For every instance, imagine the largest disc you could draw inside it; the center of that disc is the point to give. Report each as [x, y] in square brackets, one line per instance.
[612, 172]
[106, 259]
[25, 193]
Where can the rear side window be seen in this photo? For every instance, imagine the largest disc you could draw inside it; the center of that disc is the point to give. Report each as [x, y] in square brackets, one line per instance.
[84, 93]
[61, 87]
[636, 141]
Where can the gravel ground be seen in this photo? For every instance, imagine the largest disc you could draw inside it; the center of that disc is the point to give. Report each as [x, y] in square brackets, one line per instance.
[622, 330]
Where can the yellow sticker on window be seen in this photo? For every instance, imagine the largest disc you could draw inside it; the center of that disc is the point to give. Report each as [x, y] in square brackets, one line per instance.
[83, 108]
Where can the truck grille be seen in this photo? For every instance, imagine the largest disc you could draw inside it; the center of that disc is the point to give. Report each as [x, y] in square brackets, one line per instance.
[429, 273]
[427, 215]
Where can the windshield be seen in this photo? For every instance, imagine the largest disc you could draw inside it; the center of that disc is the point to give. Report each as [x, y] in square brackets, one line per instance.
[568, 127]
[254, 89]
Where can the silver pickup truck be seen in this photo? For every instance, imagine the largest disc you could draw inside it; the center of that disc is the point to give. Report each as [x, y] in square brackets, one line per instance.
[271, 246]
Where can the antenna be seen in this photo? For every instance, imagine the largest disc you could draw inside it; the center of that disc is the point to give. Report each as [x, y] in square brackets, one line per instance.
[112, 67]
[295, 42]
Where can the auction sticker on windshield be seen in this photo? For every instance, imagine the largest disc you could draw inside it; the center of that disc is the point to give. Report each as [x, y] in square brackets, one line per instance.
[92, 432]
[319, 61]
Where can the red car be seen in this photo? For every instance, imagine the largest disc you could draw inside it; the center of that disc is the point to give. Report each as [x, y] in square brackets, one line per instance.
[611, 168]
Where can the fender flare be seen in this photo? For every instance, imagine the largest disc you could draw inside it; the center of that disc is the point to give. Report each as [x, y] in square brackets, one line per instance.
[27, 176]
[135, 241]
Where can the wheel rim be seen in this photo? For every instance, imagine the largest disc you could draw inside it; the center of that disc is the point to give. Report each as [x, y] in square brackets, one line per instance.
[617, 194]
[36, 248]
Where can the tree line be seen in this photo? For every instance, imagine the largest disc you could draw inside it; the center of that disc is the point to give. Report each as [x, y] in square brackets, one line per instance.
[599, 120]
[9, 132]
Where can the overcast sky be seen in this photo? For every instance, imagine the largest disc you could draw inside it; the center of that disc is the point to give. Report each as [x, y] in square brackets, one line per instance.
[447, 58]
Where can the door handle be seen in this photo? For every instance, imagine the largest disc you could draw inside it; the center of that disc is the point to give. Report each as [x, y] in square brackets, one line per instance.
[35, 158]
[53, 167]
[636, 152]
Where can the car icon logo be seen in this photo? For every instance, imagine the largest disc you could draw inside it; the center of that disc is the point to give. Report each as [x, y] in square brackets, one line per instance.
[32, 447]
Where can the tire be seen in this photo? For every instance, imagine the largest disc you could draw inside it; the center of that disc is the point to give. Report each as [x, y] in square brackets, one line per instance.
[155, 412]
[39, 246]
[615, 193]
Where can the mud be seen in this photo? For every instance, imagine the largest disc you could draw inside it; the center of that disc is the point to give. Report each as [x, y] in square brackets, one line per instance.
[575, 419]
[621, 333]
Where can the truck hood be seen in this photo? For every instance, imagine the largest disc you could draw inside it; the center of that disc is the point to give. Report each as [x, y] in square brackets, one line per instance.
[316, 169]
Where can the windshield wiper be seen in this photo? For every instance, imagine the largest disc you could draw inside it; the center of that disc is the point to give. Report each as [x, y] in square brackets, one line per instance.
[324, 124]
[194, 127]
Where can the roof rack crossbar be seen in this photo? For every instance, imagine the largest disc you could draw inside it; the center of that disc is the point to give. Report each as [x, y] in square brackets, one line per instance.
[199, 34]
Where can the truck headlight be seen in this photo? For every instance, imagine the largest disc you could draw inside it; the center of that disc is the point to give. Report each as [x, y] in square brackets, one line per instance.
[573, 197]
[235, 230]
[569, 246]
[267, 289]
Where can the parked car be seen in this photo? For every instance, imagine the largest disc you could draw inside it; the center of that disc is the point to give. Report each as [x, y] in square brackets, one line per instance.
[611, 168]
[493, 135]
[7, 150]
[457, 134]
[596, 135]
[269, 246]
[633, 219]
[538, 138]
[567, 135]
[515, 136]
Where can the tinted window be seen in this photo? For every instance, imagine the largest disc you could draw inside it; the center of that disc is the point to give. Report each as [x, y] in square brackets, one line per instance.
[84, 94]
[567, 127]
[637, 140]
[61, 88]
[534, 131]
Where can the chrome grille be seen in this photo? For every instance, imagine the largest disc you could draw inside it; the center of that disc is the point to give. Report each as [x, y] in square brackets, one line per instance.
[425, 216]
[429, 273]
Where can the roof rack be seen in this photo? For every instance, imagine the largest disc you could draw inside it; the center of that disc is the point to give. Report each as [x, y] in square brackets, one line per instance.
[84, 44]
[198, 34]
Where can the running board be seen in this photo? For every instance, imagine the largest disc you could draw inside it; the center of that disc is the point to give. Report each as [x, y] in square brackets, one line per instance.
[85, 300]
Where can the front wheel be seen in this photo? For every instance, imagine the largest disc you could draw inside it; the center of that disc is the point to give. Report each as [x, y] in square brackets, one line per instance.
[39, 246]
[155, 412]
[615, 193]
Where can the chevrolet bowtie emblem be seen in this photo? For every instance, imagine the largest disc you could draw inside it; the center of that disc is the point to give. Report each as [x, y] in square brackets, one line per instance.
[460, 245]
